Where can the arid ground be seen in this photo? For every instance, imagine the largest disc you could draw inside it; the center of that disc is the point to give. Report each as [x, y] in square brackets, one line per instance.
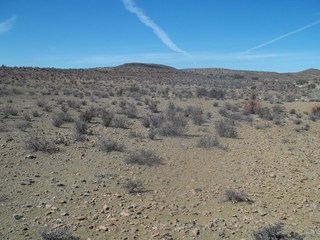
[145, 151]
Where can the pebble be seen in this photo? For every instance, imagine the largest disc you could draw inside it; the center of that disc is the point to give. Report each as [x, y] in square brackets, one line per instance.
[30, 156]
[125, 214]
[103, 228]
[17, 216]
[195, 232]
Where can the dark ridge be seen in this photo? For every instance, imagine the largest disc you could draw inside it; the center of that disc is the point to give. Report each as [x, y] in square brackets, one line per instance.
[313, 71]
[146, 65]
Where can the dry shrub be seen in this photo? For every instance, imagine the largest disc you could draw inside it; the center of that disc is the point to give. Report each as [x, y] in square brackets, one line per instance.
[87, 115]
[81, 127]
[40, 143]
[252, 107]
[315, 113]
[23, 125]
[57, 234]
[120, 121]
[133, 186]
[108, 145]
[143, 157]
[236, 196]
[225, 128]
[274, 232]
[209, 142]
[106, 118]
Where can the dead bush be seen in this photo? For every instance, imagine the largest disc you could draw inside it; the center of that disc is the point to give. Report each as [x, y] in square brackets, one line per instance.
[136, 134]
[130, 111]
[172, 128]
[265, 113]
[41, 103]
[133, 186]
[26, 117]
[81, 127]
[106, 118]
[274, 232]
[173, 123]
[40, 143]
[61, 118]
[57, 234]
[88, 114]
[153, 106]
[146, 121]
[23, 125]
[252, 107]
[226, 128]
[108, 145]
[75, 104]
[9, 110]
[3, 127]
[209, 142]
[152, 133]
[315, 113]
[143, 157]
[119, 121]
[235, 196]
[35, 113]
[196, 115]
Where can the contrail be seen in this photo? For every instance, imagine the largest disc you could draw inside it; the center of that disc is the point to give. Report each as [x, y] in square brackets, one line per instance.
[283, 36]
[162, 35]
[7, 25]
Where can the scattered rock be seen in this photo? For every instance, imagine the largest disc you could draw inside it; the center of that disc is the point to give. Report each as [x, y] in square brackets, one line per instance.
[17, 216]
[29, 156]
[103, 228]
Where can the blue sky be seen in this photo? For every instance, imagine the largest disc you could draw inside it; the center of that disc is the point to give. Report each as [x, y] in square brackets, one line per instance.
[273, 35]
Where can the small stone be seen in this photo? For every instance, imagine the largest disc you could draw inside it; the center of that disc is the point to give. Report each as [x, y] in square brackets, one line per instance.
[195, 232]
[81, 218]
[125, 214]
[17, 216]
[29, 156]
[263, 214]
[49, 213]
[106, 208]
[103, 228]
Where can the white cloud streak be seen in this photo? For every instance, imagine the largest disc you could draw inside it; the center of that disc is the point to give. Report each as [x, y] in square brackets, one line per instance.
[160, 33]
[283, 36]
[5, 26]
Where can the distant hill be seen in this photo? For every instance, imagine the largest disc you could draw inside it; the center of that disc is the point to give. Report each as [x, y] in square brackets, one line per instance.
[145, 66]
[156, 72]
